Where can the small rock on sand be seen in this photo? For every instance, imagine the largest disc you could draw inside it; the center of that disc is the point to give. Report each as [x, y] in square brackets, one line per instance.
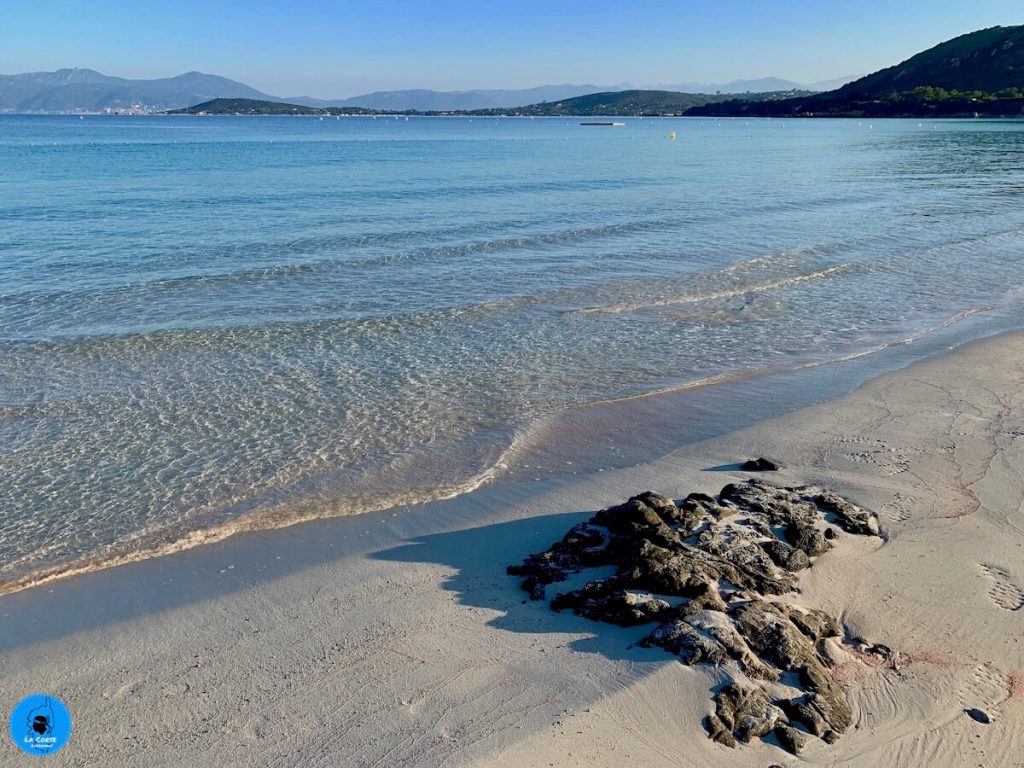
[759, 465]
[980, 715]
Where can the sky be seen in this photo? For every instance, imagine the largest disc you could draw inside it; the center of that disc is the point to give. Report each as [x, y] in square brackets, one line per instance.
[340, 48]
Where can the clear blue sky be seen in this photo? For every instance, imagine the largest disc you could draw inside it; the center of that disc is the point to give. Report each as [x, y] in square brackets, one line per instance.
[336, 48]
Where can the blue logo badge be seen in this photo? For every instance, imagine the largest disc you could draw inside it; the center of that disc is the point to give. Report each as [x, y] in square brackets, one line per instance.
[40, 724]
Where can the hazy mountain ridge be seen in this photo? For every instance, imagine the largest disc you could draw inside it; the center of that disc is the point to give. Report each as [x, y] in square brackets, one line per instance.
[425, 99]
[86, 90]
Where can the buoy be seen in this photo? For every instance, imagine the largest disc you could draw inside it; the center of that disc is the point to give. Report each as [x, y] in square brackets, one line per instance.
[672, 136]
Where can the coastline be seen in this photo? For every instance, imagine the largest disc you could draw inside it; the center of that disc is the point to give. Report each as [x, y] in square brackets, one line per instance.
[604, 422]
[397, 638]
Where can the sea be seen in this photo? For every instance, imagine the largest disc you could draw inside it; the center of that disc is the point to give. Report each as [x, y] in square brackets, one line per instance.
[218, 324]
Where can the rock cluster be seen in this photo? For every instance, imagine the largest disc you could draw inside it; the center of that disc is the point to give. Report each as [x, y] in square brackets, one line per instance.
[710, 572]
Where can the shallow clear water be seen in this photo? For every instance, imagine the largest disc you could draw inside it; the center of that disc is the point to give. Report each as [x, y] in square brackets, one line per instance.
[213, 323]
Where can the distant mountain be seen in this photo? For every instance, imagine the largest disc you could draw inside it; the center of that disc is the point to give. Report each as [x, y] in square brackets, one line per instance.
[830, 85]
[427, 100]
[85, 90]
[978, 73]
[760, 85]
[446, 101]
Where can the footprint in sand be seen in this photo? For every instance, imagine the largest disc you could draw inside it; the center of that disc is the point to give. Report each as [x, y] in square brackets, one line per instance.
[888, 460]
[900, 509]
[863, 457]
[986, 687]
[1003, 592]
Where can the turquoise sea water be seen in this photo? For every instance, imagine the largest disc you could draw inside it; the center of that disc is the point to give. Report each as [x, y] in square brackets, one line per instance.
[217, 323]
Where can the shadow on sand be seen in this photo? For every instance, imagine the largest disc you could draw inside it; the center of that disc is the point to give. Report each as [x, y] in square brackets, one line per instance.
[479, 557]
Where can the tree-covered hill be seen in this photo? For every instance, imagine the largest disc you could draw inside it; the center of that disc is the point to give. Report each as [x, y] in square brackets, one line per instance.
[632, 103]
[978, 73]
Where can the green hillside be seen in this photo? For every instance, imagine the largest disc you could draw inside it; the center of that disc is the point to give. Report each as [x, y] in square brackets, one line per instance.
[989, 60]
[978, 73]
[629, 103]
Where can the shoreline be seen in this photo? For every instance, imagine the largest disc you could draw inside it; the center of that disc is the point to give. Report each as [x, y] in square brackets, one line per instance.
[396, 637]
[594, 421]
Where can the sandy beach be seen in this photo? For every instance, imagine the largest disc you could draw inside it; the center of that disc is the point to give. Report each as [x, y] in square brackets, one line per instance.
[397, 638]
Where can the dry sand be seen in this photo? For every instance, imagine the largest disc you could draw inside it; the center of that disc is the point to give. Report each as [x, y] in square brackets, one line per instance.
[398, 640]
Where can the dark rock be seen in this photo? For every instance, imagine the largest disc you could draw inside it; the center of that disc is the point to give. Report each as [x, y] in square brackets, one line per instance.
[534, 587]
[684, 572]
[777, 505]
[734, 491]
[698, 498]
[585, 538]
[545, 568]
[717, 626]
[769, 632]
[759, 465]
[687, 643]
[718, 732]
[832, 707]
[756, 569]
[708, 598]
[747, 712]
[815, 624]
[814, 676]
[605, 601]
[663, 506]
[634, 518]
[786, 556]
[697, 507]
[808, 538]
[791, 739]
[980, 715]
[849, 517]
[799, 710]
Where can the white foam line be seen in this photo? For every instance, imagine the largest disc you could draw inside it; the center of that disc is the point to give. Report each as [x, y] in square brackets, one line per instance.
[274, 518]
[694, 298]
[262, 520]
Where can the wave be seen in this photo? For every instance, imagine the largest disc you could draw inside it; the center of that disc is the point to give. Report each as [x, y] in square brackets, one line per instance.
[309, 505]
[326, 266]
[748, 373]
[281, 515]
[713, 295]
